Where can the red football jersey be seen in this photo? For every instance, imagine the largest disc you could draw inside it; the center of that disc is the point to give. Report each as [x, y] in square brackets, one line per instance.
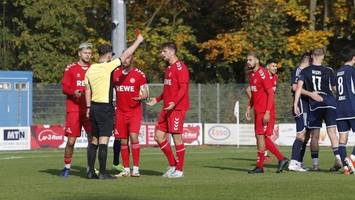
[128, 85]
[73, 79]
[274, 80]
[175, 76]
[260, 82]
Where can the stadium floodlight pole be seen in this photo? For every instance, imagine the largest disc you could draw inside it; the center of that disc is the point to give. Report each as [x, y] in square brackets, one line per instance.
[119, 30]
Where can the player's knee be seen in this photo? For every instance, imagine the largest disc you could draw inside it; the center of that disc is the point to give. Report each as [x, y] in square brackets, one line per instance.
[300, 136]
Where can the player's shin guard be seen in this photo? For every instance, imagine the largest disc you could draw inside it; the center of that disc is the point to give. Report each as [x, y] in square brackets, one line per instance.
[342, 152]
[102, 157]
[116, 152]
[260, 159]
[269, 144]
[92, 156]
[180, 154]
[125, 155]
[296, 149]
[135, 153]
[166, 148]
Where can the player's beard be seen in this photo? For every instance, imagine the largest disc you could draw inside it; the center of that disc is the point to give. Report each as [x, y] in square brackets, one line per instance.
[85, 61]
[248, 68]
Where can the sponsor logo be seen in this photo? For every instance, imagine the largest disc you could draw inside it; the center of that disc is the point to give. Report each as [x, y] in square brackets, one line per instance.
[167, 82]
[48, 135]
[80, 83]
[125, 88]
[191, 133]
[253, 88]
[14, 134]
[219, 132]
[176, 123]
[51, 137]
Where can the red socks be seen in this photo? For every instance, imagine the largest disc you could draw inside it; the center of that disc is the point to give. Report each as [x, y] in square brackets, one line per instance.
[260, 159]
[166, 148]
[125, 155]
[135, 153]
[269, 144]
[180, 154]
[67, 160]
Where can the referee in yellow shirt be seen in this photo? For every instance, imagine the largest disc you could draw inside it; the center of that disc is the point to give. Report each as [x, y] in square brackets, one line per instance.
[98, 94]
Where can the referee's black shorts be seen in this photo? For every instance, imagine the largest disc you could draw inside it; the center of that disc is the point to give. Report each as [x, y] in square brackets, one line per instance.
[102, 118]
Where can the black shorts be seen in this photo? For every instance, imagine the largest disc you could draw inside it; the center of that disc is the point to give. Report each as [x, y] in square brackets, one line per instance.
[102, 118]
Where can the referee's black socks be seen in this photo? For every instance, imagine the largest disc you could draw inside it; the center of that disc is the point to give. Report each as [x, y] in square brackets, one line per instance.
[91, 154]
[102, 157]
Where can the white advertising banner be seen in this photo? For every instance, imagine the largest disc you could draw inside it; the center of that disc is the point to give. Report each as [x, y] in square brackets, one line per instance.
[15, 138]
[221, 134]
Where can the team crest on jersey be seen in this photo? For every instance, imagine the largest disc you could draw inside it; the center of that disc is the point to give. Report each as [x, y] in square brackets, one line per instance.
[78, 75]
[132, 80]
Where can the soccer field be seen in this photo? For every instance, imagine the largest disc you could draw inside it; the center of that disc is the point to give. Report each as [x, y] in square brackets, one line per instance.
[210, 173]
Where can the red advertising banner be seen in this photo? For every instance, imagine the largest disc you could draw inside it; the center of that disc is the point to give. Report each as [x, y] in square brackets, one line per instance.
[46, 136]
[192, 134]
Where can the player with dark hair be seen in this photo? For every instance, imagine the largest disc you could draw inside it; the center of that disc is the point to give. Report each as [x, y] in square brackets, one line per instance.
[303, 133]
[319, 79]
[175, 96]
[264, 113]
[131, 88]
[98, 93]
[346, 107]
[271, 67]
[74, 87]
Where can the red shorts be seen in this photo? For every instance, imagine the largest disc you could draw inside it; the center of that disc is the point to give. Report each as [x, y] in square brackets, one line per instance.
[259, 128]
[74, 122]
[171, 121]
[127, 122]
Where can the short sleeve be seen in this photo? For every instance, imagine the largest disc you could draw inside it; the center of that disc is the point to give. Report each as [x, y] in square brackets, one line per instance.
[302, 76]
[332, 78]
[113, 64]
[293, 77]
[182, 73]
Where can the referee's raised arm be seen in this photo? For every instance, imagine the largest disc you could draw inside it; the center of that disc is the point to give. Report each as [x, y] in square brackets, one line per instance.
[128, 52]
[98, 90]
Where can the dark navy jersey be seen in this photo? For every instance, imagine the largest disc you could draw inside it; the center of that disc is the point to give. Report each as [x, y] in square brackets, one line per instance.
[303, 103]
[345, 92]
[321, 79]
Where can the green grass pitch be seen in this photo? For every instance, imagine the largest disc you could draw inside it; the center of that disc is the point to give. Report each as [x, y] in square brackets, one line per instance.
[210, 173]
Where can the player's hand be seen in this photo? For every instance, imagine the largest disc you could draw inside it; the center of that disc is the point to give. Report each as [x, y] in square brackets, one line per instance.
[171, 106]
[139, 98]
[296, 110]
[152, 102]
[138, 35]
[77, 93]
[315, 96]
[247, 114]
[266, 118]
